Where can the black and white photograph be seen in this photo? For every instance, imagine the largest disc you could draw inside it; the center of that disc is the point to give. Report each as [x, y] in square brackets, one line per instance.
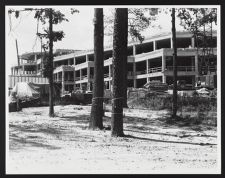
[119, 89]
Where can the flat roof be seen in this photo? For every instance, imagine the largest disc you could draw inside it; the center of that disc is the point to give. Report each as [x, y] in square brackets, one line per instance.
[158, 36]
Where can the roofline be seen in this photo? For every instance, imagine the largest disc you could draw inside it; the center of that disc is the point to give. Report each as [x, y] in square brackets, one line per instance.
[158, 36]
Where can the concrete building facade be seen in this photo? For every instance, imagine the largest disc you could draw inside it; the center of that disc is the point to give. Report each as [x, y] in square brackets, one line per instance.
[150, 60]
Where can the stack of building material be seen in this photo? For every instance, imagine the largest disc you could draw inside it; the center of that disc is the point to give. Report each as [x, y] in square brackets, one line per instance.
[156, 86]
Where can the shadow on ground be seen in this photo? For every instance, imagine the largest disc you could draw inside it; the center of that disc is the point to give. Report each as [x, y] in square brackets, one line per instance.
[167, 141]
[66, 130]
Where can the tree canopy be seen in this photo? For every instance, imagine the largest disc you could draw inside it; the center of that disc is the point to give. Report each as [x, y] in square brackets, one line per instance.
[139, 19]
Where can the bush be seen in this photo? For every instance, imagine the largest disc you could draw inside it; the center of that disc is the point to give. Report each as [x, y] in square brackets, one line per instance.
[157, 102]
[151, 101]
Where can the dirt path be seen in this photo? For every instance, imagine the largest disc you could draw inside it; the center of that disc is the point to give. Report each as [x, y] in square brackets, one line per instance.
[63, 144]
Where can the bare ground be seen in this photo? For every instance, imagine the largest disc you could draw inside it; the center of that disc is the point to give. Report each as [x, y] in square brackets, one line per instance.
[64, 144]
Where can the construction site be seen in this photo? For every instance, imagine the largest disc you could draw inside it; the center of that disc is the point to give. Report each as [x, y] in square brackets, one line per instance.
[147, 106]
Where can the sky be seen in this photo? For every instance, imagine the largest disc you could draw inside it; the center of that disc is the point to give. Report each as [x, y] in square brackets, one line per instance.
[78, 31]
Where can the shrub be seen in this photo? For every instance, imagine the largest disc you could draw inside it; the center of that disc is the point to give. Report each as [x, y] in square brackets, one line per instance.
[157, 102]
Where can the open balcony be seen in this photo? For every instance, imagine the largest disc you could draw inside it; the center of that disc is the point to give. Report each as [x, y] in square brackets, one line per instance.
[182, 68]
[155, 69]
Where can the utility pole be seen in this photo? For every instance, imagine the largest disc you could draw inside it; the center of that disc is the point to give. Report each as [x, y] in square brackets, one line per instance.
[18, 58]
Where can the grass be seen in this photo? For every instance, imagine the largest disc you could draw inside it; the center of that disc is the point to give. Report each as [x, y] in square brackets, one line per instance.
[193, 110]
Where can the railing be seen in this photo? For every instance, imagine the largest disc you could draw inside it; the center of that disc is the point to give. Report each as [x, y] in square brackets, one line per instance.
[182, 68]
[155, 69]
[34, 79]
[106, 75]
[77, 78]
[151, 70]
[209, 68]
[28, 62]
[27, 73]
[140, 72]
[69, 80]
[129, 73]
[83, 77]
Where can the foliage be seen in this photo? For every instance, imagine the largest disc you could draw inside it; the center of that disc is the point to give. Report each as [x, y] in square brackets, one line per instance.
[157, 102]
[139, 19]
[43, 15]
[193, 19]
[198, 21]
[46, 69]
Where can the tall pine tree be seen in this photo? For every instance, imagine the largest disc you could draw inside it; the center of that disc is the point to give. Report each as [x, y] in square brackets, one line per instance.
[119, 56]
[174, 106]
[98, 88]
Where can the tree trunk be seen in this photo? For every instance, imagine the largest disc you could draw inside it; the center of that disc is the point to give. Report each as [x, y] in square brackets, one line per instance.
[124, 57]
[174, 108]
[51, 97]
[119, 54]
[98, 84]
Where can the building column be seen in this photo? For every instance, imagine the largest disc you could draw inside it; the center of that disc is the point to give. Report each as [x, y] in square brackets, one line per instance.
[154, 45]
[135, 83]
[23, 70]
[88, 73]
[74, 79]
[163, 63]
[171, 42]
[196, 64]
[35, 57]
[134, 75]
[164, 78]
[110, 77]
[81, 78]
[193, 42]
[88, 86]
[80, 74]
[134, 50]
[147, 66]
[110, 72]
[87, 58]
[89, 79]
[63, 81]
[74, 76]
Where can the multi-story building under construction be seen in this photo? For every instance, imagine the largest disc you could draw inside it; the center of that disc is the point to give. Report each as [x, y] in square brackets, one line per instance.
[150, 60]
